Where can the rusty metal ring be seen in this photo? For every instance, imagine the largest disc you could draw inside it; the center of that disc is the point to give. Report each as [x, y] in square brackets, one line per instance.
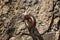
[30, 21]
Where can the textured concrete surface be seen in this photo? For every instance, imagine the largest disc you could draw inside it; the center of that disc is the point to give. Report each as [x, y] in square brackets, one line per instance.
[46, 13]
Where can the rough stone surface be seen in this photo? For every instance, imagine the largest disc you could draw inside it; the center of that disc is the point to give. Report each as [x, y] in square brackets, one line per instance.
[46, 13]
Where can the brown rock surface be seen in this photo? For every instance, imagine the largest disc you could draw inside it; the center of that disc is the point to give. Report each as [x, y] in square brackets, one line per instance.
[46, 13]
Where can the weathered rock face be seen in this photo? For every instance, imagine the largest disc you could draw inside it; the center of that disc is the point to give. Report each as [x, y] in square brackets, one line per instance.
[46, 13]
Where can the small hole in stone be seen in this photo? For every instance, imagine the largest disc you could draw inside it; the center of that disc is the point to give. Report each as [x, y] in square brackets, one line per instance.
[10, 31]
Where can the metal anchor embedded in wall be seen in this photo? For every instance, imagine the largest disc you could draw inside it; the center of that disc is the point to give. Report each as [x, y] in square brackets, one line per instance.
[30, 23]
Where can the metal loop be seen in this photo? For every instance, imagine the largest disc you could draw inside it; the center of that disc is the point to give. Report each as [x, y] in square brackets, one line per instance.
[29, 21]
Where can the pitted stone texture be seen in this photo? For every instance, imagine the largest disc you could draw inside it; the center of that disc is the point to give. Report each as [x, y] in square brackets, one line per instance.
[12, 12]
[51, 36]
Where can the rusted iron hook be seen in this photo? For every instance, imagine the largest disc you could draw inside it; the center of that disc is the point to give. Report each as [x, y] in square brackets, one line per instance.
[30, 21]
[30, 24]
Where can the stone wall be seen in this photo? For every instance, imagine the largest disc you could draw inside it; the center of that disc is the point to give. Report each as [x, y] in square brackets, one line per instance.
[46, 13]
